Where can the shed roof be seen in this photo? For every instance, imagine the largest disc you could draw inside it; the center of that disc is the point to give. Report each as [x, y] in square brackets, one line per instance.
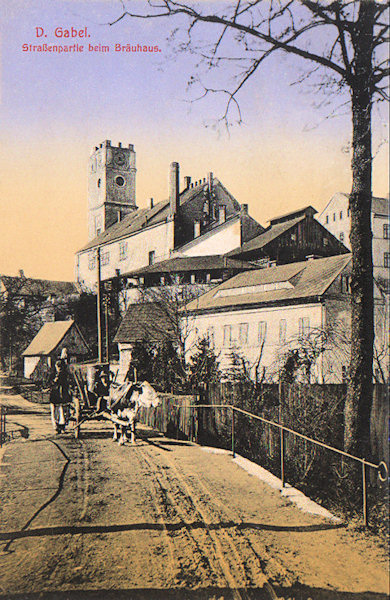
[282, 284]
[192, 263]
[48, 338]
[148, 321]
[260, 241]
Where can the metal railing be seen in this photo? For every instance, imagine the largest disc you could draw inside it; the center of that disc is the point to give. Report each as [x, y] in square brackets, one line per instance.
[3, 425]
[381, 468]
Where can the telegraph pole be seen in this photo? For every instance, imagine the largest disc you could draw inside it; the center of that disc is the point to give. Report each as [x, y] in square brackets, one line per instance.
[99, 309]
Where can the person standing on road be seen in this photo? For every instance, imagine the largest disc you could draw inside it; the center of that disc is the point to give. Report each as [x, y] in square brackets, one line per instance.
[60, 395]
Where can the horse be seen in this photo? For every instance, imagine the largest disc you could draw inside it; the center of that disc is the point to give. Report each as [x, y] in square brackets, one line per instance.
[124, 404]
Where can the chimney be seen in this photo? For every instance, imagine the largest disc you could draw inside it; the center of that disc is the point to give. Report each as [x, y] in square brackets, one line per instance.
[119, 144]
[187, 181]
[222, 213]
[151, 203]
[196, 229]
[21, 274]
[174, 187]
[244, 209]
[210, 181]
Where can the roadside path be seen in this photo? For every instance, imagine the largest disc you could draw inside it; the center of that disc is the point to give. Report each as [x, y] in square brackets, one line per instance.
[163, 519]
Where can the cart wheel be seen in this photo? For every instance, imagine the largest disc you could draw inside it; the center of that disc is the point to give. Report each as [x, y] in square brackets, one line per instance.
[76, 415]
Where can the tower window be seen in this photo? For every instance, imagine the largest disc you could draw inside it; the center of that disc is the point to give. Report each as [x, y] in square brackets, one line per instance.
[152, 257]
[99, 182]
[386, 231]
[327, 219]
[120, 181]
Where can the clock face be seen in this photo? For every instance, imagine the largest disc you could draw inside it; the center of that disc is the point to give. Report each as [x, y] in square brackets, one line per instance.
[120, 159]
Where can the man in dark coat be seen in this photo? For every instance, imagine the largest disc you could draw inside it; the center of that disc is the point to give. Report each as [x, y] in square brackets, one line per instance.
[60, 395]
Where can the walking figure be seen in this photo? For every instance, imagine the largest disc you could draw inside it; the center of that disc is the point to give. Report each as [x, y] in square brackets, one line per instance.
[60, 395]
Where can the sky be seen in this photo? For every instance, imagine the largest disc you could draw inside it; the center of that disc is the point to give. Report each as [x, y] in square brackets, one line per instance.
[55, 108]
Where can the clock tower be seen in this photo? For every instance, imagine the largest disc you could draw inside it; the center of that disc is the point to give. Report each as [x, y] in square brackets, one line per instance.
[111, 186]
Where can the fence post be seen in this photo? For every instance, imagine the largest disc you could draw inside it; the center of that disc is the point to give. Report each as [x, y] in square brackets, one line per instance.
[364, 492]
[233, 449]
[282, 456]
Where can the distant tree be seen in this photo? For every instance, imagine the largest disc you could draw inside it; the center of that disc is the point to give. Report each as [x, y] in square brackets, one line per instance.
[203, 364]
[142, 357]
[345, 44]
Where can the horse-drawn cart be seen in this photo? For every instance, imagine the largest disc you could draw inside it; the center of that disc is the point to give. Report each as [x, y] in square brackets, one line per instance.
[97, 395]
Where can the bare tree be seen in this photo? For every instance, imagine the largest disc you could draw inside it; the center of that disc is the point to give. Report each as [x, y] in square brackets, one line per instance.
[353, 58]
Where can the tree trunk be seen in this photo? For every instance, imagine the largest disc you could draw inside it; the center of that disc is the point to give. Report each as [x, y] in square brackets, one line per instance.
[359, 390]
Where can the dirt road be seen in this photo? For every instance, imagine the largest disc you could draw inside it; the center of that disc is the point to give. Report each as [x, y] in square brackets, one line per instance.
[162, 519]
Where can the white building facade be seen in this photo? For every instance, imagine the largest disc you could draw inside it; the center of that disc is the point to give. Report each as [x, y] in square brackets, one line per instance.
[262, 316]
[336, 218]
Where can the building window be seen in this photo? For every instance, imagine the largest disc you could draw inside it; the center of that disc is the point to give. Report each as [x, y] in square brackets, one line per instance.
[192, 278]
[341, 236]
[386, 259]
[243, 334]
[122, 250]
[227, 336]
[346, 284]
[211, 337]
[91, 261]
[152, 257]
[282, 331]
[341, 214]
[303, 326]
[349, 212]
[98, 225]
[99, 183]
[327, 219]
[105, 259]
[334, 216]
[386, 231]
[262, 332]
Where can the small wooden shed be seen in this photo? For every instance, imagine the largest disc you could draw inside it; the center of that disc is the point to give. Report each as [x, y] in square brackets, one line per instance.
[47, 345]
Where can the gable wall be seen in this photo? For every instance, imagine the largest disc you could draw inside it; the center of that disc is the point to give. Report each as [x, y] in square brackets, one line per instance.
[158, 239]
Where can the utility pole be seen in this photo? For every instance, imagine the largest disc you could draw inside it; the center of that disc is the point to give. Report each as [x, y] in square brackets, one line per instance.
[99, 309]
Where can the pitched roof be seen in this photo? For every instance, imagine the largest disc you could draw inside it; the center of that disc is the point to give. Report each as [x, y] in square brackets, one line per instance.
[143, 218]
[139, 219]
[148, 321]
[266, 237]
[192, 263]
[48, 338]
[306, 211]
[279, 284]
[28, 286]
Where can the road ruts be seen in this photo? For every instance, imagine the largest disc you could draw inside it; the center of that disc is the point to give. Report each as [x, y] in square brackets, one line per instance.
[208, 526]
